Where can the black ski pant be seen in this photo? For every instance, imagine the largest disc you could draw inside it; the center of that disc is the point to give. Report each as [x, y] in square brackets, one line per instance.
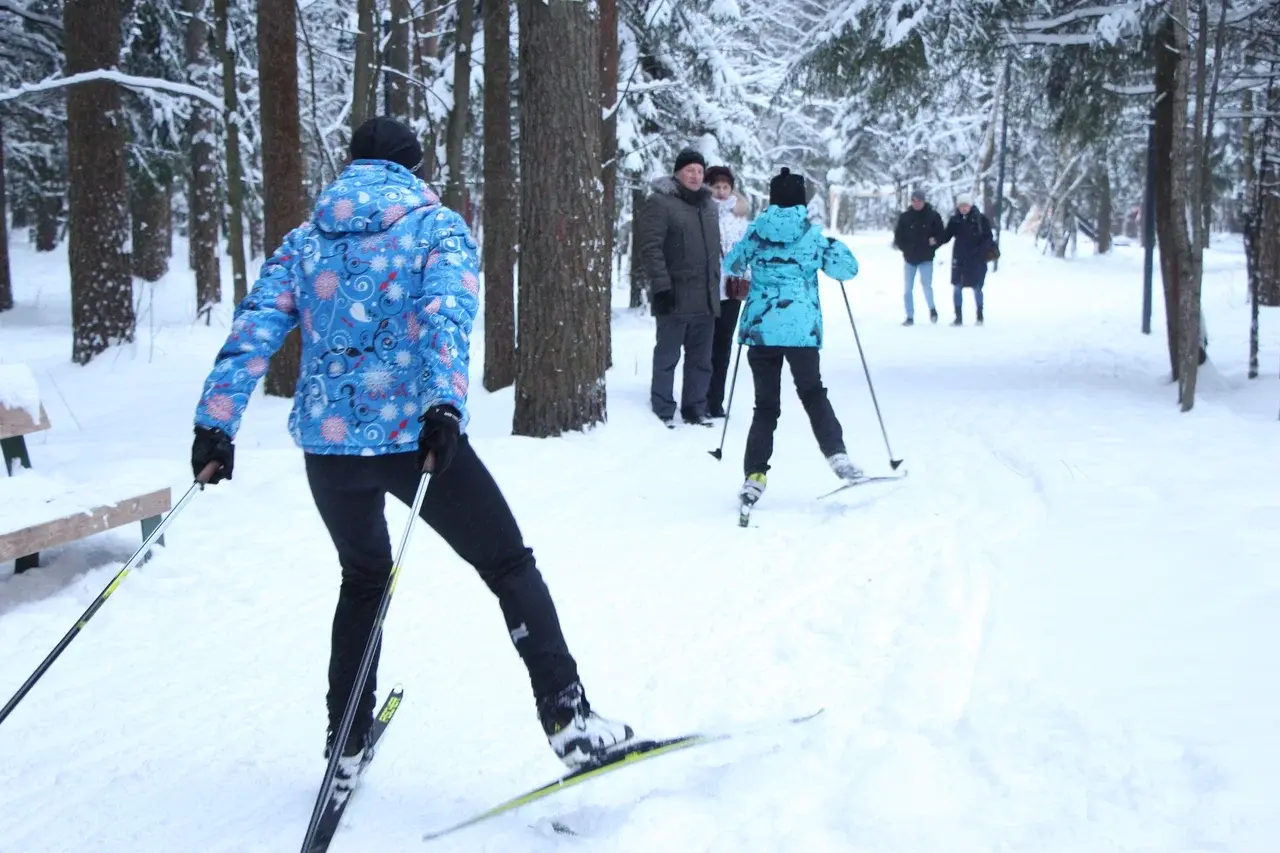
[721, 350]
[464, 505]
[766, 371]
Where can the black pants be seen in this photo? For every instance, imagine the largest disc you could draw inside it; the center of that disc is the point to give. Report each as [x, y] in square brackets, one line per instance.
[692, 334]
[721, 349]
[766, 371]
[464, 505]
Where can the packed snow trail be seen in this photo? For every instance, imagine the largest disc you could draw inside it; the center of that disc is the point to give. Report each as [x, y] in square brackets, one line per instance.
[1051, 636]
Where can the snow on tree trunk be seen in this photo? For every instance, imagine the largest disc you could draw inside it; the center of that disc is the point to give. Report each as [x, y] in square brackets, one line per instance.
[364, 91]
[235, 172]
[49, 207]
[426, 53]
[150, 217]
[560, 382]
[1102, 185]
[638, 283]
[609, 155]
[456, 135]
[1166, 73]
[283, 201]
[398, 60]
[6, 285]
[501, 201]
[98, 199]
[1181, 207]
[203, 200]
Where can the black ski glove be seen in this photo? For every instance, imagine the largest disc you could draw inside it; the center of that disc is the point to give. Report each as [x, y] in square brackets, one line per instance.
[439, 438]
[662, 303]
[212, 445]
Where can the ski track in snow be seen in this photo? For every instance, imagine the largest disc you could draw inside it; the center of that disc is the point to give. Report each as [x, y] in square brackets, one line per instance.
[1013, 649]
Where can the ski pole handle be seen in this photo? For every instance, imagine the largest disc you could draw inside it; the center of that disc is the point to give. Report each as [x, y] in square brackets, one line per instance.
[206, 474]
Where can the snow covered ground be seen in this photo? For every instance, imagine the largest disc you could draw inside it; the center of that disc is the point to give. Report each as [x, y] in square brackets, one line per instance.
[1054, 635]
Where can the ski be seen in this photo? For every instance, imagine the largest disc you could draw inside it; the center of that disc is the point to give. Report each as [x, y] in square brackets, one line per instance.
[335, 807]
[627, 754]
[863, 481]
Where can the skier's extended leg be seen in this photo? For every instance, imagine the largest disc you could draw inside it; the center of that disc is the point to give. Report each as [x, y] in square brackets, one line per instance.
[466, 507]
[766, 375]
[806, 370]
[350, 499]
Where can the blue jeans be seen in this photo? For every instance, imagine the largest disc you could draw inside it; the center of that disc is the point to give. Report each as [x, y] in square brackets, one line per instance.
[926, 282]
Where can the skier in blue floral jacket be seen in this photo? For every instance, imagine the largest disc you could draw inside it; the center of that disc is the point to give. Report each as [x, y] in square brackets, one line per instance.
[383, 281]
[782, 319]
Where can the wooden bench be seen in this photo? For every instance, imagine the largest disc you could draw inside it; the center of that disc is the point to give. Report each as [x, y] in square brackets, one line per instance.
[41, 511]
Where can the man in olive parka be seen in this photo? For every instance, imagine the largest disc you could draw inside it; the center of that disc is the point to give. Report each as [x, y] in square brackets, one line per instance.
[680, 250]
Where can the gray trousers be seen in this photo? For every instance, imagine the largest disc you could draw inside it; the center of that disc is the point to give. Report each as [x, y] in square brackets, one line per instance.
[692, 333]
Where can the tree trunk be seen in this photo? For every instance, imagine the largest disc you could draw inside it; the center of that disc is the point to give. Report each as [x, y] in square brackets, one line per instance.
[456, 135]
[609, 156]
[283, 205]
[1166, 77]
[6, 283]
[98, 198]
[49, 206]
[1105, 213]
[639, 285]
[364, 91]
[235, 172]
[203, 202]
[1183, 198]
[150, 217]
[426, 50]
[398, 60]
[501, 202]
[560, 383]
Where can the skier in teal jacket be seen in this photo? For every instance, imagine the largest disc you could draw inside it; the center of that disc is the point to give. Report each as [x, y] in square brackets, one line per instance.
[782, 319]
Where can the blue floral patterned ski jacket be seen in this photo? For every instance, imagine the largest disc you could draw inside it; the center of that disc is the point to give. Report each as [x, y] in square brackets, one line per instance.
[784, 252]
[384, 282]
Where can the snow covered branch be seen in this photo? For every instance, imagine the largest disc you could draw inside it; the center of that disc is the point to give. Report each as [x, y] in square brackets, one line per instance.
[1075, 15]
[33, 17]
[111, 76]
[1136, 89]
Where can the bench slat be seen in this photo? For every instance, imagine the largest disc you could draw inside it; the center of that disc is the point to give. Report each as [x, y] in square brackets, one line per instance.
[16, 422]
[40, 537]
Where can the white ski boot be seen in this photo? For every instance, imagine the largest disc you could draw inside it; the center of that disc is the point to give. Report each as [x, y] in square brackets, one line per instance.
[577, 734]
[354, 759]
[844, 468]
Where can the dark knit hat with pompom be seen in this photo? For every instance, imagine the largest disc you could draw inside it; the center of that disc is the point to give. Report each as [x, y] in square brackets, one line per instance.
[786, 189]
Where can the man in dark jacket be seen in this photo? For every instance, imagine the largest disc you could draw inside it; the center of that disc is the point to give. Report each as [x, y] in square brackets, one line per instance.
[917, 235]
[680, 250]
[972, 232]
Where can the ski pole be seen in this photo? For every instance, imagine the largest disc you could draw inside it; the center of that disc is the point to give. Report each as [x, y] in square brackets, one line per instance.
[362, 675]
[893, 463]
[201, 479]
[718, 453]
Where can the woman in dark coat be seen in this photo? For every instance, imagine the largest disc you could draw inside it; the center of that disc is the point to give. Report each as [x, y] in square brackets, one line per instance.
[971, 230]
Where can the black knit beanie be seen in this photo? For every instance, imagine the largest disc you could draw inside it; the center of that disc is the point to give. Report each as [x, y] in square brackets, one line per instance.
[786, 189]
[385, 138]
[687, 156]
[719, 173]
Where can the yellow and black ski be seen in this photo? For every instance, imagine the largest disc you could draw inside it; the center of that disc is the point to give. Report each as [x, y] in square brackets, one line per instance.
[632, 752]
